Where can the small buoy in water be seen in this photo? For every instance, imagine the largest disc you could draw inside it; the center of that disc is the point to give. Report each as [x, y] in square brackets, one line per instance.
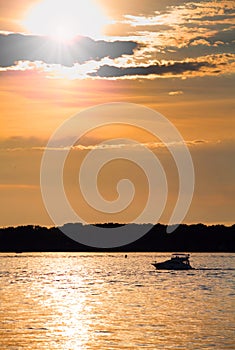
[126, 256]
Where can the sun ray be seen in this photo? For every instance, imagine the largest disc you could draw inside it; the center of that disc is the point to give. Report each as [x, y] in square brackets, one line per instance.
[65, 19]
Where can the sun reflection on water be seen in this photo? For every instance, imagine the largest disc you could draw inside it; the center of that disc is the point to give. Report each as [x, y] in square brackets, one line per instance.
[104, 301]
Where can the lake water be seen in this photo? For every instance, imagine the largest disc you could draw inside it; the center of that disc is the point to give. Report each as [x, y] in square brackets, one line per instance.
[71, 301]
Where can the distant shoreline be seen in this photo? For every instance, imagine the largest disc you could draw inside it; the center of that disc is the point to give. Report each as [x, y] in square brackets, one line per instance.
[186, 238]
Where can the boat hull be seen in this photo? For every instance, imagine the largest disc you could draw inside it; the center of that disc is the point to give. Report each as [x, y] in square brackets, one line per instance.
[169, 265]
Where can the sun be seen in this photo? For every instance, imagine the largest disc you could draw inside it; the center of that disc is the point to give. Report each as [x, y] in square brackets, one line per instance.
[65, 19]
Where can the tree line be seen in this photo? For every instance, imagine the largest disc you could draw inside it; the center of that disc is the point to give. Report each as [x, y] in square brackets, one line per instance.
[186, 238]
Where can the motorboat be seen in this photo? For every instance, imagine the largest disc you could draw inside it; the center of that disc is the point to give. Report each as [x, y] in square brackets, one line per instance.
[178, 261]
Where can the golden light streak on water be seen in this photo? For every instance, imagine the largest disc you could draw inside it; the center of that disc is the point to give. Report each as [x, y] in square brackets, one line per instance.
[70, 301]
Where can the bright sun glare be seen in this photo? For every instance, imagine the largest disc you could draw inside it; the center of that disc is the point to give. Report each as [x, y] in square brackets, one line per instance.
[65, 19]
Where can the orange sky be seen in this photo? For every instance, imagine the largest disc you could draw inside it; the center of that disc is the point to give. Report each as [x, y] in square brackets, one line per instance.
[174, 58]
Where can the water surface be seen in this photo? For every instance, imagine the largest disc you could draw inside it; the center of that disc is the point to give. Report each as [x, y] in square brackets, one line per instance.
[71, 301]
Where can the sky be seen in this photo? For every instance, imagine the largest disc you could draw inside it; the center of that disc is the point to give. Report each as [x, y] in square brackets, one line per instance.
[58, 58]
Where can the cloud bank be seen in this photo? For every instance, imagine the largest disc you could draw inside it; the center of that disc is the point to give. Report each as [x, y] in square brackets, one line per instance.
[157, 69]
[18, 47]
[164, 39]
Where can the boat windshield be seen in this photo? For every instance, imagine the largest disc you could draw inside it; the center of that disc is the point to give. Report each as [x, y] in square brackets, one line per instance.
[180, 256]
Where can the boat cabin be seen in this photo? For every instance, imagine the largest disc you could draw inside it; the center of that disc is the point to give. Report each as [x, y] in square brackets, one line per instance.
[180, 257]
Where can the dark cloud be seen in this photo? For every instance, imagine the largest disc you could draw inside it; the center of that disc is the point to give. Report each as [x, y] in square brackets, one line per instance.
[196, 50]
[226, 36]
[107, 71]
[20, 143]
[18, 47]
[213, 18]
[213, 26]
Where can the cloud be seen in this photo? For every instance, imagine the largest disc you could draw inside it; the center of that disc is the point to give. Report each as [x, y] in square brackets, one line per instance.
[174, 93]
[19, 144]
[200, 42]
[164, 40]
[194, 51]
[132, 68]
[185, 29]
[18, 47]
[175, 68]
